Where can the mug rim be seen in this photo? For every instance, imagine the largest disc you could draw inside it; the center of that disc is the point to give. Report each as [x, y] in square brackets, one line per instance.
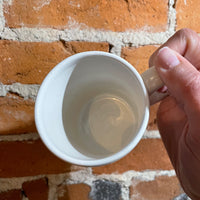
[96, 161]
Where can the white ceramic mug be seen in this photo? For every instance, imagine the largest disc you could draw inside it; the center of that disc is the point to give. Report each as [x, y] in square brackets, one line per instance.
[93, 108]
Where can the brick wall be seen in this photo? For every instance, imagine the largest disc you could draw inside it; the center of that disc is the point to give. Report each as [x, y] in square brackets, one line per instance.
[35, 36]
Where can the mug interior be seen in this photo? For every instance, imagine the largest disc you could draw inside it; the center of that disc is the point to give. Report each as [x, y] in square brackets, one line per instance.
[70, 86]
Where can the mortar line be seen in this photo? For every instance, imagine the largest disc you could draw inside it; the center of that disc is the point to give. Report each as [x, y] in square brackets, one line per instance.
[19, 137]
[34, 136]
[27, 91]
[172, 17]
[2, 19]
[86, 177]
[140, 37]
[151, 134]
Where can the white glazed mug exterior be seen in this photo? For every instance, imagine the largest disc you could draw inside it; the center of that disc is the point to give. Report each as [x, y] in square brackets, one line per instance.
[52, 96]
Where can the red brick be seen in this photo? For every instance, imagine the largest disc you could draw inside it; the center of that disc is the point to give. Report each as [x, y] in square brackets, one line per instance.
[29, 158]
[138, 57]
[27, 62]
[30, 62]
[17, 115]
[36, 189]
[11, 195]
[77, 47]
[73, 192]
[162, 188]
[187, 13]
[108, 15]
[148, 154]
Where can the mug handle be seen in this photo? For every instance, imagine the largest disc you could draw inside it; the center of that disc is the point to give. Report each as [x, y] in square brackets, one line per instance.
[153, 82]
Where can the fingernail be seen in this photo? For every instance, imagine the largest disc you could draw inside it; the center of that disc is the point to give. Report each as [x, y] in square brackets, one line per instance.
[167, 59]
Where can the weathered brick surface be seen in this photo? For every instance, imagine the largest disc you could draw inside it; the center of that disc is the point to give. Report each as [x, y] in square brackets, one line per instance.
[148, 154]
[138, 57]
[30, 62]
[17, 115]
[162, 188]
[109, 15]
[186, 13]
[11, 195]
[36, 189]
[29, 158]
[77, 47]
[73, 192]
[27, 62]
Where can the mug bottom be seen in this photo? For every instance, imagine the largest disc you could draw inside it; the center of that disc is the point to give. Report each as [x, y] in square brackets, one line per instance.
[103, 125]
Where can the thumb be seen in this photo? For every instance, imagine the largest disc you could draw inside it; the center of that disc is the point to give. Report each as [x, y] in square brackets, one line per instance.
[181, 78]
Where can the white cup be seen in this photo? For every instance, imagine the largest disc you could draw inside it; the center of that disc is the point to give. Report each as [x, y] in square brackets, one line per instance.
[93, 108]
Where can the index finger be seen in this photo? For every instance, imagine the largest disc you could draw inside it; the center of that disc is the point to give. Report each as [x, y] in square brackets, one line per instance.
[187, 43]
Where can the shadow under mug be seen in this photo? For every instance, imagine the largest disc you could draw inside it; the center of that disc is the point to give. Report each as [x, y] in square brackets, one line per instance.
[93, 108]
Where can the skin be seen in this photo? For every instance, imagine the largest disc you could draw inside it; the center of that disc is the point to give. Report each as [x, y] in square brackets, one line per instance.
[179, 114]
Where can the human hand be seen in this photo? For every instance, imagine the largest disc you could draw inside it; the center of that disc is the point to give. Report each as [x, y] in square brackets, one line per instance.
[178, 64]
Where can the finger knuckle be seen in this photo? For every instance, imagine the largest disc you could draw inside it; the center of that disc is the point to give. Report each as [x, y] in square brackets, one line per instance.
[193, 84]
[185, 33]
